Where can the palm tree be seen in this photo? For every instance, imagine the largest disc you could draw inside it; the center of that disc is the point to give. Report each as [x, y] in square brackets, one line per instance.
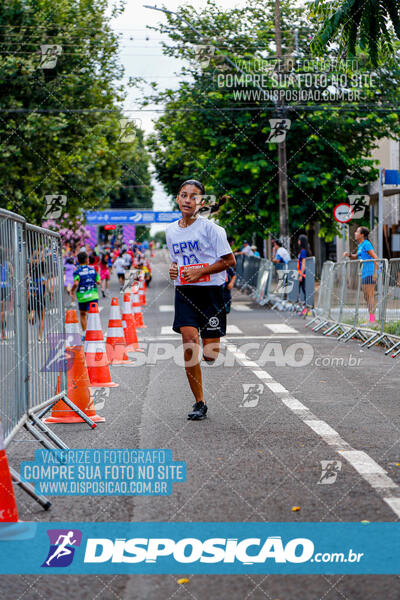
[367, 22]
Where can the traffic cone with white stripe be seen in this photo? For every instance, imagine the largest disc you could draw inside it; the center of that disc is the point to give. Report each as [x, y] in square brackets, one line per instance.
[95, 351]
[8, 505]
[78, 383]
[115, 341]
[128, 323]
[136, 308]
[142, 290]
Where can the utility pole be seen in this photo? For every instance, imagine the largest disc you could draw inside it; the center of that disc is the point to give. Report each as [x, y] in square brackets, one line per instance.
[280, 108]
[282, 160]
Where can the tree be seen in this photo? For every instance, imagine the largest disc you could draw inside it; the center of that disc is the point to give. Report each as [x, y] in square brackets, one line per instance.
[371, 23]
[219, 133]
[60, 112]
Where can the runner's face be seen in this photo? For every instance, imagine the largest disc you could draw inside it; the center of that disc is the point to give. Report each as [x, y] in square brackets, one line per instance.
[189, 200]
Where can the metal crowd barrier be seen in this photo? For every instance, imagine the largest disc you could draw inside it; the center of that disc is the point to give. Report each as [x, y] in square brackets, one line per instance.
[13, 363]
[359, 300]
[275, 284]
[33, 344]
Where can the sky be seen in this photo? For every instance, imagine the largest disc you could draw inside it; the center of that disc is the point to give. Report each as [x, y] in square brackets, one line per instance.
[141, 56]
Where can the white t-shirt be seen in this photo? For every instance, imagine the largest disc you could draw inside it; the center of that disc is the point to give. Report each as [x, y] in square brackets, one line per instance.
[200, 243]
[282, 255]
[119, 265]
[247, 251]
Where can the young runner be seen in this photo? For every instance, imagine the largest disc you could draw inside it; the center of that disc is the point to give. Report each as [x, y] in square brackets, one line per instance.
[86, 280]
[200, 254]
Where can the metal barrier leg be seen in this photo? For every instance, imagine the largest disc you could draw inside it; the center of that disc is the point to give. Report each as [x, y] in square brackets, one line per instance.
[332, 329]
[80, 413]
[346, 333]
[320, 326]
[396, 353]
[372, 341]
[54, 438]
[39, 437]
[311, 321]
[392, 348]
[368, 340]
[29, 489]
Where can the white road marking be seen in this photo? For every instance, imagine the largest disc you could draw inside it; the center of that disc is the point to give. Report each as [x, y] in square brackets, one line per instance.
[366, 467]
[280, 328]
[262, 374]
[166, 308]
[276, 387]
[167, 330]
[233, 329]
[240, 307]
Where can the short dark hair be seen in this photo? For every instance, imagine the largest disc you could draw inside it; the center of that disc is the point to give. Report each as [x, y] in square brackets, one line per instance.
[194, 182]
[277, 242]
[82, 257]
[92, 259]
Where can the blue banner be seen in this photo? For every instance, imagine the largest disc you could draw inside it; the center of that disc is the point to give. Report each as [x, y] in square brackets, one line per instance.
[212, 548]
[135, 217]
[392, 177]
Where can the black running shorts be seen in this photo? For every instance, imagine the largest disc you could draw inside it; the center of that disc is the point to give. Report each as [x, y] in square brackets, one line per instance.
[200, 306]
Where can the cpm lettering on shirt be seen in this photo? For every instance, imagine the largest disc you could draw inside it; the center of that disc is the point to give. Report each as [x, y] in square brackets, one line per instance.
[189, 246]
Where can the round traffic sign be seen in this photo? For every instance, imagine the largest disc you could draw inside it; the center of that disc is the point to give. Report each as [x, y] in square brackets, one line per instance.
[343, 213]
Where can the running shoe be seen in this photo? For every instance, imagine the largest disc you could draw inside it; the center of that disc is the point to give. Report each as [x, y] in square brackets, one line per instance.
[199, 411]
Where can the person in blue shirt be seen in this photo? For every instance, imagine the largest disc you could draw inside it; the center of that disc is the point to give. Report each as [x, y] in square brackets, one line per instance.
[369, 273]
[304, 252]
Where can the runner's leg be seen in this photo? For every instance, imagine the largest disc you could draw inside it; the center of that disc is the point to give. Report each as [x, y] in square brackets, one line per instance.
[191, 342]
[210, 349]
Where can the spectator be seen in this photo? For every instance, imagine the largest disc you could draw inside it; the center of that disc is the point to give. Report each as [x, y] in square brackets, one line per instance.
[69, 268]
[86, 280]
[304, 252]
[255, 251]
[246, 250]
[37, 292]
[281, 256]
[369, 274]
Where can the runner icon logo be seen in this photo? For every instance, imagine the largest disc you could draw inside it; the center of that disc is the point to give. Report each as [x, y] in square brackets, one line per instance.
[251, 394]
[213, 322]
[330, 470]
[62, 547]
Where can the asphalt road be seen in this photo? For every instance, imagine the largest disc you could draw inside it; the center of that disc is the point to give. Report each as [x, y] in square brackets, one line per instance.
[294, 400]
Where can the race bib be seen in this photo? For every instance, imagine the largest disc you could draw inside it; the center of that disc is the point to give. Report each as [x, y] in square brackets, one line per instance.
[203, 278]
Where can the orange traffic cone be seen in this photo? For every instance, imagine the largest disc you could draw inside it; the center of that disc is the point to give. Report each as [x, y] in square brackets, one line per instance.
[116, 342]
[136, 307]
[8, 505]
[128, 323]
[95, 351]
[77, 380]
[142, 291]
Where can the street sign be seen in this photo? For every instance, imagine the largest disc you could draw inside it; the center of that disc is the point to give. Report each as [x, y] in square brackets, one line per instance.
[358, 203]
[343, 213]
[134, 217]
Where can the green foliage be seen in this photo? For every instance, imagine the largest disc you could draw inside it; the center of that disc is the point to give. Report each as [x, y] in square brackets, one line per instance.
[210, 133]
[62, 134]
[373, 24]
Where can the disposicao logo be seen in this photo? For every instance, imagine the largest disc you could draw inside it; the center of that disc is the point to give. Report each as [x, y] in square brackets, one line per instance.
[62, 547]
[190, 550]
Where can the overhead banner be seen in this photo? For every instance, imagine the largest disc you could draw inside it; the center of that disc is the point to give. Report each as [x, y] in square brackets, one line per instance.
[135, 217]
